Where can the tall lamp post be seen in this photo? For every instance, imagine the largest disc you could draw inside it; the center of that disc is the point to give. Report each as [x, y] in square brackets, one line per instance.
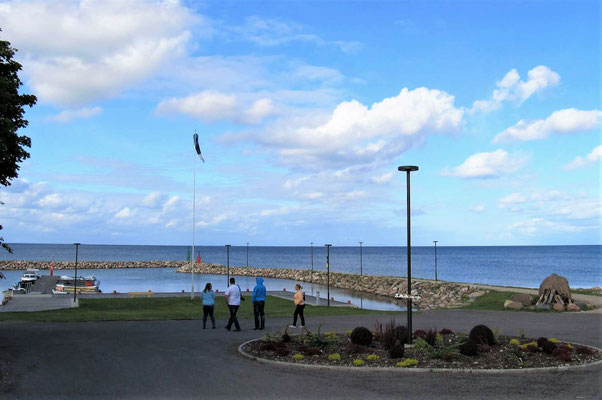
[435, 241]
[328, 270]
[75, 277]
[311, 274]
[247, 254]
[195, 139]
[228, 264]
[408, 169]
[361, 258]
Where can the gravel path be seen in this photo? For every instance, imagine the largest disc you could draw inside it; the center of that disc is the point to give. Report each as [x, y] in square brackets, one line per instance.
[177, 359]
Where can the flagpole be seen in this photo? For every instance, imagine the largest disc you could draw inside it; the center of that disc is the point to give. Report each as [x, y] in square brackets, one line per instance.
[193, 219]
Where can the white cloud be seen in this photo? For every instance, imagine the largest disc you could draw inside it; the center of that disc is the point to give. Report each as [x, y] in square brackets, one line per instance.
[124, 213]
[563, 122]
[213, 106]
[79, 113]
[356, 134]
[384, 178]
[272, 32]
[537, 225]
[487, 165]
[591, 158]
[511, 88]
[77, 52]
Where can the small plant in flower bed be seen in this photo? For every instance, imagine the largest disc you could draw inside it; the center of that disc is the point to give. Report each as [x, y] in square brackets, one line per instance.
[454, 351]
[408, 362]
[358, 363]
[298, 356]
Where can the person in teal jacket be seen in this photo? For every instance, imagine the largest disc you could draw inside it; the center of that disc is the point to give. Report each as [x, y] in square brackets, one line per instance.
[208, 304]
[258, 301]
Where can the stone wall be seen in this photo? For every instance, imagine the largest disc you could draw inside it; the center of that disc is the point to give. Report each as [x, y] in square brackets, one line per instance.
[43, 265]
[433, 294]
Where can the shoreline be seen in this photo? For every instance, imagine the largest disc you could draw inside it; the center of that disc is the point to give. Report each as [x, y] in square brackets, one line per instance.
[434, 294]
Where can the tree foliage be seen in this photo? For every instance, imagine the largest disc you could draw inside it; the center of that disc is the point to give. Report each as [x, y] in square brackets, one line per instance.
[12, 146]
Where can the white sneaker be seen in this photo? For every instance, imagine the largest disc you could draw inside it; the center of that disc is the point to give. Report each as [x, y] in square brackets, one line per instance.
[292, 326]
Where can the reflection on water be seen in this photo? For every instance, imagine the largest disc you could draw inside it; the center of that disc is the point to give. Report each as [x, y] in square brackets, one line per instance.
[166, 280]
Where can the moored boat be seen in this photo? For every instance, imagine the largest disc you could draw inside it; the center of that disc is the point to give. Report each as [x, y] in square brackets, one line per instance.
[83, 284]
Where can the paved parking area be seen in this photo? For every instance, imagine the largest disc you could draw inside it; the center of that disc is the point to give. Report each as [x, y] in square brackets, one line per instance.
[177, 359]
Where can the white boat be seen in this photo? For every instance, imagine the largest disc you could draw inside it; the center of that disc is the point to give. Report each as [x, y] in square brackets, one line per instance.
[30, 276]
[83, 284]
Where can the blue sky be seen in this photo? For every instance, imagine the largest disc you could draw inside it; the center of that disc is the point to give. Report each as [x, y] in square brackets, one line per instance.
[304, 111]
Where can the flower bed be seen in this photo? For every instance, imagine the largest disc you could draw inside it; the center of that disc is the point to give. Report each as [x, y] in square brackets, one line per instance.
[431, 349]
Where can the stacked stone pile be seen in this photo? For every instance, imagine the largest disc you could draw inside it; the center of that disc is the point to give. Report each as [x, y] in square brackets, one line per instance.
[433, 294]
[43, 265]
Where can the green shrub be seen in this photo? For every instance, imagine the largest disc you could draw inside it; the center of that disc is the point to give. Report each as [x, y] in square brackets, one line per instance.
[554, 340]
[298, 356]
[408, 362]
[548, 347]
[421, 344]
[514, 342]
[372, 357]
[439, 339]
[397, 351]
[482, 334]
[358, 363]
[334, 357]
[361, 336]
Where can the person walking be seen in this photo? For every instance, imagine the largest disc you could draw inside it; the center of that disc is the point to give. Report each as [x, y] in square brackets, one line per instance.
[258, 301]
[299, 307]
[208, 304]
[233, 295]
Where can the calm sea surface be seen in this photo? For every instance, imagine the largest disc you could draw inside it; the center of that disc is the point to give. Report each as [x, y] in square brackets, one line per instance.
[504, 265]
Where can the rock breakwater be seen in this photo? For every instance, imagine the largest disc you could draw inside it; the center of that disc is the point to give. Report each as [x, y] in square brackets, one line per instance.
[433, 294]
[44, 265]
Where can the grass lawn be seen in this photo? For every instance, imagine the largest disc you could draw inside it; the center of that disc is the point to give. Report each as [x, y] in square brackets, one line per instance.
[165, 308]
[494, 300]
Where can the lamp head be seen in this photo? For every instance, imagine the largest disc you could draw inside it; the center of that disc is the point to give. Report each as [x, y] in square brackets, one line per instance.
[408, 168]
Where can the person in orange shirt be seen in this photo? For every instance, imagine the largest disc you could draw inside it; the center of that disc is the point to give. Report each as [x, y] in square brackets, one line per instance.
[299, 307]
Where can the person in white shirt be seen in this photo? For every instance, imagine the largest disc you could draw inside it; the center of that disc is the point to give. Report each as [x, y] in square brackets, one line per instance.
[233, 295]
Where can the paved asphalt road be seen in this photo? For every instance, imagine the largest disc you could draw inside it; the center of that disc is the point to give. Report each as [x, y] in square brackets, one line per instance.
[177, 359]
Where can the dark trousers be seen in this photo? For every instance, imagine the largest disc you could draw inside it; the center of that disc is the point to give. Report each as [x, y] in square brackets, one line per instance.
[208, 311]
[258, 311]
[299, 311]
[233, 320]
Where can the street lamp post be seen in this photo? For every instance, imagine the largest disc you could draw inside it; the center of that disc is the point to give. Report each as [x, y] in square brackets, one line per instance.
[247, 254]
[328, 270]
[361, 258]
[435, 241]
[75, 277]
[408, 169]
[195, 139]
[228, 264]
[311, 274]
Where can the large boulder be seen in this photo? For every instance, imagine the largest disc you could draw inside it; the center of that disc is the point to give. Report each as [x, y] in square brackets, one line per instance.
[558, 283]
[516, 305]
[523, 298]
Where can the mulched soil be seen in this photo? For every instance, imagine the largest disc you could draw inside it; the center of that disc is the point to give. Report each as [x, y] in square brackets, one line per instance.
[502, 355]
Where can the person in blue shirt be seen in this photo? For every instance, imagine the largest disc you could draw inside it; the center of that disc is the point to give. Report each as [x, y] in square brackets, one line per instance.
[208, 304]
[258, 301]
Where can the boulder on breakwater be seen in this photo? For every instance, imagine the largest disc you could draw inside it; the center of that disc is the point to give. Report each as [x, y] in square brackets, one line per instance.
[44, 265]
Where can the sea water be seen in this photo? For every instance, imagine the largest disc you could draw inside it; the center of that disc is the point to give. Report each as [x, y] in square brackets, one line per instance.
[524, 266]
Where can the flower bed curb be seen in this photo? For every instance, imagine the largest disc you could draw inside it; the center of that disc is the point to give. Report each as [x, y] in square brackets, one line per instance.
[420, 370]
